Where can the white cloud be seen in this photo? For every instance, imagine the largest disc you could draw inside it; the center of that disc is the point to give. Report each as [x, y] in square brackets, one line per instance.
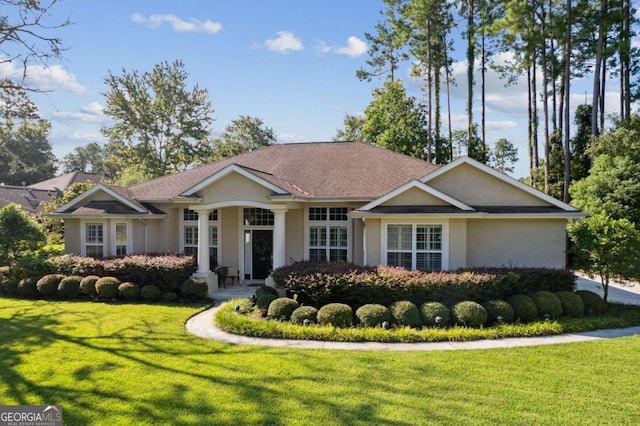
[92, 113]
[191, 25]
[288, 138]
[285, 42]
[323, 47]
[40, 77]
[354, 48]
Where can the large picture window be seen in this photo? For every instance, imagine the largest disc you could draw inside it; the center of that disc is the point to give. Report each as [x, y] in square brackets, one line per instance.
[328, 233]
[415, 246]
[190, 234]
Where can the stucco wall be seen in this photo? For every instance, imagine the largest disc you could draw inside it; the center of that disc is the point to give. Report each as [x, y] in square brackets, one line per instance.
[295, 235]
[518, 243]
[228, 237]
[373, 241]
[357, 253]
[138, 235]
[235, 187]
[72, 236]
[413, 197]
[477, 188]
[457, 243]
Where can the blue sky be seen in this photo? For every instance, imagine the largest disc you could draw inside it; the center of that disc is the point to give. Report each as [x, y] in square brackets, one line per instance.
[291, 63]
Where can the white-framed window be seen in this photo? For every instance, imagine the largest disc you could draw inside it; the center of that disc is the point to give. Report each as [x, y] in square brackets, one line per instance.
[328, 231]
[190, 234]
[121, 238]
[415, 246]
[93, 244]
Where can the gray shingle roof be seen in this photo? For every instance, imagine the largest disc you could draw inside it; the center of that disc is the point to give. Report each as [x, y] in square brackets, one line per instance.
[64, 181]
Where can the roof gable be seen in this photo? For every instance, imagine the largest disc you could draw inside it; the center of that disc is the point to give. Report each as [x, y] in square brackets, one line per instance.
[100, 187]
[233, 168]
[411, 186]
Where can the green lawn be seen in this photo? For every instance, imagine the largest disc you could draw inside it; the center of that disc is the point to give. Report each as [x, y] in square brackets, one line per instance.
[136, 364]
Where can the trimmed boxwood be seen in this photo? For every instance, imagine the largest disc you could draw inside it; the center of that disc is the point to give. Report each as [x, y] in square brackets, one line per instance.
[547, 303]
[304, 313]
[406, 313]
[107, 288]
[194, 289]
[264, 300]
[88, 285]
[498, 308]
[282, 308]
[27, 287]
[336, 314]
[48, 285]
[69, 287]
[524, 309]
[373, 315]
[572, 304]
[593, 303]
[129, 291]
[169, 297]
[431, 310]
[469, 313]
[150, 293]
[265, 289]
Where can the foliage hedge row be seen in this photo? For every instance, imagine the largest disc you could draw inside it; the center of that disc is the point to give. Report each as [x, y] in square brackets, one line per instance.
[166, 271]
[328, 282]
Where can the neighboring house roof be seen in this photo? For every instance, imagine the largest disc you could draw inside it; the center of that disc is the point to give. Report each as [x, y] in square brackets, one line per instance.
[62, 182]
[29, 199]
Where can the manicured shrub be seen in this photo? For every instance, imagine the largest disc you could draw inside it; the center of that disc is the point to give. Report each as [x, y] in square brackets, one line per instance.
[572, 304]
[282, 308]
[107, 288]
[27, 287]
[593, 303]
[498, 308]
[470, 314]
[169, 297]
[48, 285]
[406, 313]
[373, 315]
[336, 314]
[431, 310]
[194, 289]
[265, 289]
[524, 309]
[150, 293]
[129, 291]
[69, 287]
[88, 285]
[10, 285]
[263, 301]
[547, 303]
[304, 313]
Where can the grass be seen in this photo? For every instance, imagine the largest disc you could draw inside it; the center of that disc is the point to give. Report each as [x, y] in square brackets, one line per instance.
[136, 364]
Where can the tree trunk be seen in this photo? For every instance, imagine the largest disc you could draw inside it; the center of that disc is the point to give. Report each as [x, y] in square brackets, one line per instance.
[545, 98]
[595, 130]
[429, 94]
[448, 74]
[470, 64]
[567, 98]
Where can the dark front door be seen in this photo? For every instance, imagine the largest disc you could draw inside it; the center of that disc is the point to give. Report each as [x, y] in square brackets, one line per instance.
[262, 250]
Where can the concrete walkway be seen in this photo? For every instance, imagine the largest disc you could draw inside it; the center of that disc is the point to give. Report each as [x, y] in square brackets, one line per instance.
[202, 325]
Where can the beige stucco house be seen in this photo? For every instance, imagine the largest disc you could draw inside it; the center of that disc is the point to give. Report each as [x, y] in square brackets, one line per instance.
[325, 201]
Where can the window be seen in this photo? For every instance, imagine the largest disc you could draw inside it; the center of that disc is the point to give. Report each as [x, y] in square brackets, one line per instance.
[328, 233]
[94, 240]
[121, 239]
[253, 216]
[415, 246]
[190, 234]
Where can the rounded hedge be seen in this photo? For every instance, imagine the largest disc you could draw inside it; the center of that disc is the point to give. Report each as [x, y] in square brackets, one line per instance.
[69, 287]
[336, 314]
[169, 297]
[282, 308]
[48, 285]
[547, 303]
[498, 308]
[406, 313]
[10, 286]
[524, 309]
[470, 314]
[572, 304]
[593, 303]
[107, 288]
[431, 310]
[263, 301]
[150, 293]
[88, 285]
[304, 313]
[129, 291]
[194, 289]
[373, 315]
[265, 289]
[27, 287]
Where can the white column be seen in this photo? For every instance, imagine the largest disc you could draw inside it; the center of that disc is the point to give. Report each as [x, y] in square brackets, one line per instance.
[203, 242]
[279, 239]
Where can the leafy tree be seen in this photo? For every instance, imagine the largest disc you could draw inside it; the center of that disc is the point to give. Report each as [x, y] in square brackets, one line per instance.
[580, 159]
[504, 156]
[244, 134]
[89, 158]
[18, 232]
[395, 121]
[607, 247]
[352, 131]
[26, 37]
[160, 125]
[52, 227]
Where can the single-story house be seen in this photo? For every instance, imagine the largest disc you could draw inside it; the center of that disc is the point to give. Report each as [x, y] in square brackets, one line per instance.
[325, 201]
